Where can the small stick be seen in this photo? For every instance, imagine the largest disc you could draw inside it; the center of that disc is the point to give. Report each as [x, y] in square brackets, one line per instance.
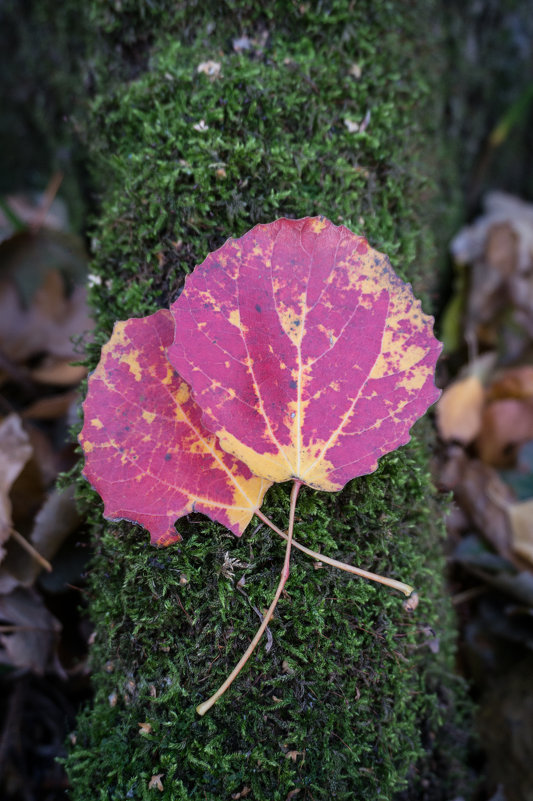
[357, 571]
[23, 542]
[49, 196]
[206, 705]
[11, 629]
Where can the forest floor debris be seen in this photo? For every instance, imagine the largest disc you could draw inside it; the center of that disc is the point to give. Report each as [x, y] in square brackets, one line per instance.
[485, 422]
[43, 639]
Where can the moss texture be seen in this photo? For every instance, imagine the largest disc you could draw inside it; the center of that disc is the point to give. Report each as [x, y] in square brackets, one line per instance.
[348, 700]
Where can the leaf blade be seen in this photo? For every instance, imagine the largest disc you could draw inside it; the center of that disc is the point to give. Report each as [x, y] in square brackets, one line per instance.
[264, 329]
[143, 432]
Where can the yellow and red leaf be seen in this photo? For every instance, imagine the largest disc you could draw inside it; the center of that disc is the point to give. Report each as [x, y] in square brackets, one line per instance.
[308, 355]
[147, 452]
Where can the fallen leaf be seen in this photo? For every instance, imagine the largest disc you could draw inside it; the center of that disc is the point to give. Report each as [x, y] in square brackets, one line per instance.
[507, 421]
[250, 327]
[243, 793]
[60, 372]
[411, 603]
[54, 522]
[30, 644]
[147, 451]
[515, 382]
[484, 498]
[28, 208]
[294, 755]
[521, 517]
[146, 728]
[498, 246]
[155, 782]
[309, 357]
[459, 410]
[15, 451]
[47, 324]
[209, 68]
[501, 249]
[28, 257]
[499, 208]
[351, 125]
[45, 463]
[505, 425]
[52, 407]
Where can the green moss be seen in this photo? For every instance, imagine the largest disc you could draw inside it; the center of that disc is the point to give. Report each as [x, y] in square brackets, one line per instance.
[349, 682]
[341, 663]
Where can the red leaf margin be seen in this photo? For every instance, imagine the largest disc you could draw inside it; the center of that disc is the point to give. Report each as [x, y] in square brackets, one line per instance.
[147, 452]
[260, 312]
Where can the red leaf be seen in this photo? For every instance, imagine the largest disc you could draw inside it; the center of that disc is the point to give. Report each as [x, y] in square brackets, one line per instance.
[309, 357]
[147, 452]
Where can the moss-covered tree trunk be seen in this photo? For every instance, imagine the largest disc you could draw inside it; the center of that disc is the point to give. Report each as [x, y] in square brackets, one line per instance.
[314, 107]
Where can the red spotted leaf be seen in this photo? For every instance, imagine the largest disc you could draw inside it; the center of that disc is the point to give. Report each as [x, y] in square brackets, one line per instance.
[147, 452]
[309, 357]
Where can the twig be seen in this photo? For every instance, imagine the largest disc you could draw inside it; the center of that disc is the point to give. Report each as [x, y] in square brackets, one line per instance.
[23, 542]
[49, 196]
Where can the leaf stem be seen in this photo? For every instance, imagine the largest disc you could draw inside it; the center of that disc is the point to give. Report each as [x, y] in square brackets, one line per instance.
[206, 705]
[357, 571]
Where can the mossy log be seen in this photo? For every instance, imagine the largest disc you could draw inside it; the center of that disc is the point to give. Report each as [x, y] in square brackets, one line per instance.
[318, 107]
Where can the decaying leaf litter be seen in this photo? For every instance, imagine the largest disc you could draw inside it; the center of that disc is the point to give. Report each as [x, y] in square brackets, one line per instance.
[485, 421]
[253, 378]
[42, 308]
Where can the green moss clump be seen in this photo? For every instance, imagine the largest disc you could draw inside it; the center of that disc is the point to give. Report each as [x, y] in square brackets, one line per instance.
[348, 697]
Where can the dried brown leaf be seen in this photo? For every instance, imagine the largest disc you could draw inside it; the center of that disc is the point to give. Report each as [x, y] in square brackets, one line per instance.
[459, 410]
[484, 498]
[50, 408]
[32, 631]
[499, 248]
[521, 517]
[60, 372]
[28, 208]
[516, 382]
[505, 425]
[47, 324]
[15, 450]
[155, 782]
[294, 755]
[209, 68]
[55, 521]
[145, 728]
[243, 793]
